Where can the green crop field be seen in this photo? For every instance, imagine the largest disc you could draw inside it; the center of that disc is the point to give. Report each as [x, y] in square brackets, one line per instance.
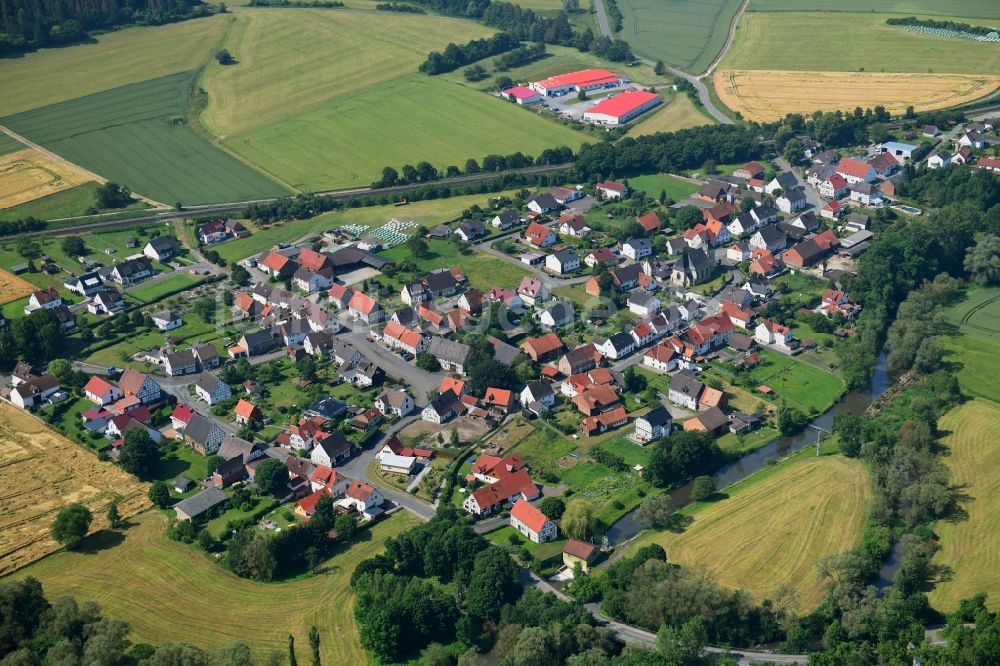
[798, 384]
[326, 99]
[970, 544]
[67, 203]
[172, 592]
[687, 34]
[845, 44]
[126, 135]
[347, 141]
[9, 145]
[115, 59]
[963, 8]
[775, 527]
[975, 348]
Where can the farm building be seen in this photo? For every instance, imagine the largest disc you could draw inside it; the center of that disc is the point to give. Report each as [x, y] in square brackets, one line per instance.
[585, 80]
[521, 94]
[621, 108]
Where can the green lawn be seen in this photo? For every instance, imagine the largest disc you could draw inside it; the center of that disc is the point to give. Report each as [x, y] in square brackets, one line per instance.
[630, 451]
[685, 34]
[542, 551]
[653, 184]
[575, 293]
[965, 8]
[126, 135]
[845, 45]
[483, 271]
[151, 292]
[798, 384]
[217, 526]
[345, 142]
[733, 443]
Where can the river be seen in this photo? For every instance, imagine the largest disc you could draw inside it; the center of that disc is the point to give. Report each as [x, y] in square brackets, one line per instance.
[854, 402]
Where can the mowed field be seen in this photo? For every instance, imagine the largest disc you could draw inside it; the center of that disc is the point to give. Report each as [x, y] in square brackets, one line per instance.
[766, 95]
[970, 545]
[172, 592]
[976, 347]
[678, 113]
[846, 65]
[775, 527]
[962, 8]
[27, 175]
[325, 100]
[114, 59]
[40, 472]
[127, 135]
[688, 34]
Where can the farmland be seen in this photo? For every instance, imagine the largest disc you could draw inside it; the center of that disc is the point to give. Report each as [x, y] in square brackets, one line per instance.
[774, 527]
[115, 59]
[839, 71]
[42, 471]
[161, 588]
[27, 175]
[9, 145]
[976, 346]
[965, 9]
[12, 287]
[127, 135]
[327, 99]
[678, 113]
[687, 34]
[65, 203]
[766, 95]
[969, 545]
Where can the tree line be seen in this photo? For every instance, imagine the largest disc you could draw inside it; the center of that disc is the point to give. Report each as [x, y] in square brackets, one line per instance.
[32, 24]
[455, 56]
[14, 227]
[941, 25]
[425, 172]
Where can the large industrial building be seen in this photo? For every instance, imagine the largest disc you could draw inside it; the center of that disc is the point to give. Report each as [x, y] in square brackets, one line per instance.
[621, 108]
[585, 80]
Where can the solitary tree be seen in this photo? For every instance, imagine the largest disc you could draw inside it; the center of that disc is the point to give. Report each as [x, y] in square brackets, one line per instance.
[702, 488]
[114, 518]
[224, 57]
[159, 495]
[139, 454]
[271, 477]
[552, 507]
[579, 520]
[291, 651]
[71, 524]
[656, 510]
[314, 644]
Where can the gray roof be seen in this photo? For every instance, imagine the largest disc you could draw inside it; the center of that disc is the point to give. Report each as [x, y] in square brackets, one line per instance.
[448, 350]
[545, 200]
[503, 352]
[639, 243]
[627, 274]
[232, 446]
[657, 417]
[472, 228]
[335, 445]
[164, 243]
[328, 408]
[207, 381]
[202, 502]
[786, 179]
[794, 195]
[695, 260]
[621, 341]
[565, 255]
[685, 382]
[560, 311]
[199, 428]
[713, 418]
[540, 390]
[509, 216]
[772, 235]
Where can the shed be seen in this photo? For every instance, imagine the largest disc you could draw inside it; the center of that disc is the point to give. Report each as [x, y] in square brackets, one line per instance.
[195, 506]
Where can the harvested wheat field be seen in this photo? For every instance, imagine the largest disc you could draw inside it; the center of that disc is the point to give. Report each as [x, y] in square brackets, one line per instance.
[771, 94]
[28, 174]
[13, 287]
[970, 542]
[775, 527]
[40, 472]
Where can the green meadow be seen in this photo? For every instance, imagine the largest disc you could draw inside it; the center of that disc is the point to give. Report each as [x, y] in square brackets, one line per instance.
[961, 8]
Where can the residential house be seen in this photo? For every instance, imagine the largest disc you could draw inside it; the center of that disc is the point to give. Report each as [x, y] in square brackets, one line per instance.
[770, 332]
[211, 389]
[652, 425]
[450, 354]
[397, 336]
[834, 187]
[394, 402]
[204, 435]
[784, 181]
[643, 304]
[543, 348]
[498, 401]
[972, 139]
[470, 230]
[131, 271]
[684, 389]
[885, 164]
[246, 413]
[938, 160]
[43, 299]
[810, 251]
[791, 201]
[213, 232]
[364, 497]
[770, 238]
[583, 358]
[610, 189]
[573, 225]
[472, 301]
[856, 171]
[764, 263]
[161, 248]
[637, 248]
[340, 295]
[626, 278]
[84, 285]
[540, 392]
[711, 420]
[709, 333]
[564, 195]
[563, 261]
[167, 320]
[102, 392]
[543, 203]
[310, 281]
[506, 219]
[254, 344]
[442, 408]
[599, 256]
[866, 194]
[741, 423]
[556, 315]
[331, 449]
[532, 291]
[539, 235]
[492, 498]
[532, 523]
[604, 421]
[365, 308]
[831, 210]
[596, 400]
[738, 251]
[579, 552]
[180, 363]
[108, 301]
[142, 386]
[661, 358]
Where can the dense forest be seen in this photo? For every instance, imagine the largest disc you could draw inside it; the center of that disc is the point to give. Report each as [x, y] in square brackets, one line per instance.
[32, 24]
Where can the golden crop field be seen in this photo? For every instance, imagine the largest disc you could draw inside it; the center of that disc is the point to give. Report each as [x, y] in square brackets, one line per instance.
[40, 472]
[776, 527]
[770, 94]
[678, 113]
[13, 287]
[172, 592]
[28, 174]
[970, 545]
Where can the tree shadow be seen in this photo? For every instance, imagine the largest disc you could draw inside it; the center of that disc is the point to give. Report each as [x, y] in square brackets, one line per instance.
[717, 496]
[678, 523]
[103, 540]
[956, 513]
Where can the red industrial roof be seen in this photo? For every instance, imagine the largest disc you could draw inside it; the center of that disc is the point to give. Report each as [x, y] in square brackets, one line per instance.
[585, 77]
[520, 92]
[619, 105]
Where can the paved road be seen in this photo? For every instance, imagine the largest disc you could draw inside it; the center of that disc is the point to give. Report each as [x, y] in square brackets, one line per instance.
[703, 96]
[548, 279]
[729, 39]
[231, 208]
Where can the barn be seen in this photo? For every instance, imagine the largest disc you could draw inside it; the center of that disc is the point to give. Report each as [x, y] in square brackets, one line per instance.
[621, 108]
[585, 80]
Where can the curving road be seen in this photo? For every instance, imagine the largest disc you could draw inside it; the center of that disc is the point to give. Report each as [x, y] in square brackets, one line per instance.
[703, 96]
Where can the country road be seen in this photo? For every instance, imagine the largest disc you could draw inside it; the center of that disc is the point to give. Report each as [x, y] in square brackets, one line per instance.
[231, 208]
[703, 96]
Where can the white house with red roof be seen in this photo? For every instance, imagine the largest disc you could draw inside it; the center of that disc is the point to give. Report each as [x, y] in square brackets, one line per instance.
[364, 497]
[855, 171]
[834, 187]
[770, 332]
[102, 392]
[492, 498]
[832, 210]
[611, 189]
[661, 358]
[365, 308]
[43, 299]
[521, 95]
[539, 235]
[532, 523]
[532, 290]
[180, 416]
